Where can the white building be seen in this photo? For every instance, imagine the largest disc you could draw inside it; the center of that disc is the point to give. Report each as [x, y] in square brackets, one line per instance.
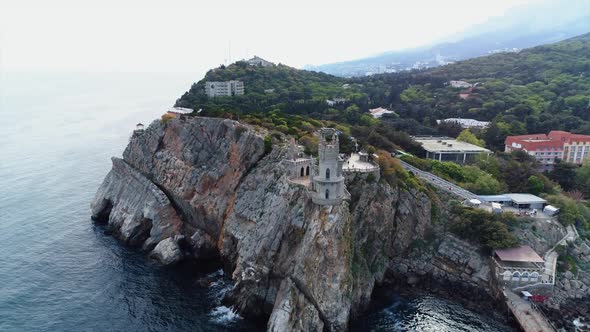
[258, 61]
[180, 110]
[335, 101]
[466, 123]
[460, 84]
[379, 112]
[328, 184]
[449, 149]
[518, 201]
[225, 88]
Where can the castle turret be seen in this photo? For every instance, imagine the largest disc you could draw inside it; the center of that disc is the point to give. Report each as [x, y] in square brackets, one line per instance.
[328, 184]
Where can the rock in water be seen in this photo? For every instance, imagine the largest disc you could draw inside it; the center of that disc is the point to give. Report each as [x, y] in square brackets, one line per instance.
[167, 252]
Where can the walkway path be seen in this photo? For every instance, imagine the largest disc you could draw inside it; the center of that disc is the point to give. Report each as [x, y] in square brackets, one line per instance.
[530, 319]
[439, 182]
[550, 256]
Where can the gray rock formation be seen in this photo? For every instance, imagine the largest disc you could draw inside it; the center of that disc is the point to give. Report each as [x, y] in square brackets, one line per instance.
[167, 252]
[136, 210]
[208, 183]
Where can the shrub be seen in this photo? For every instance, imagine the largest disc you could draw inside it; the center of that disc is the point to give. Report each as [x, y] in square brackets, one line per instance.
[267, 144]
[167, 117]
[484, 228]
[239, 131]
[423, 164]
[571, 212]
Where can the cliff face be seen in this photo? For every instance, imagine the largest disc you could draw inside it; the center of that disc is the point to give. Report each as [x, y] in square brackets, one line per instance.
[204, 187]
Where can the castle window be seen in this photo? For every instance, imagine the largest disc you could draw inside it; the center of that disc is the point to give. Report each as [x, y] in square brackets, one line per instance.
[327, 193]
[327, 173]
[307, 171]
[302, 170]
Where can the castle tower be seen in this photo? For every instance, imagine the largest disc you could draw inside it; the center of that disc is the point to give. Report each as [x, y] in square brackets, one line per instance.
[328, 184]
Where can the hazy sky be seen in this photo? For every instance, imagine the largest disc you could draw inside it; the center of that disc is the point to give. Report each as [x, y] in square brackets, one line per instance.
[192, 36]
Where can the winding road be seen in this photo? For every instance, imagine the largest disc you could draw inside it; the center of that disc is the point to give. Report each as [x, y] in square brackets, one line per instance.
[438, 182]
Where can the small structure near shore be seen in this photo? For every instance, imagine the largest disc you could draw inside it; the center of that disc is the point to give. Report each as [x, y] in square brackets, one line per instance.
[519, 266]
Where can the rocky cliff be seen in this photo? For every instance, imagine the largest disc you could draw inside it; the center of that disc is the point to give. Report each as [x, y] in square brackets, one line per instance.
[206, 188]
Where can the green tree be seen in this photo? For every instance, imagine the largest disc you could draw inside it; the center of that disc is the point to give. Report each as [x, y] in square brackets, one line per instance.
[480, 182]
[535, 185]
[448, 170]
[565, 174]
[583, 179]
[467, 136]
[368, 121]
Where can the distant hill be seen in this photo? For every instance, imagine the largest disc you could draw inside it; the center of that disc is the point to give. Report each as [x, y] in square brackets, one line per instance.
[265, 87]
[535, 90]
[521, 28]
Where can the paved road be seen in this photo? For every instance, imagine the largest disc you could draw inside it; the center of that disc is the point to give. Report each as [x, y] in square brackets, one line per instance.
[530, 319]
[439, 182]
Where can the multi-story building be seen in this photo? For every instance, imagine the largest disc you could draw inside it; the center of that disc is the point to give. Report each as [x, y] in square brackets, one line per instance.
[575, 150]
[225, 88]
[546, 148]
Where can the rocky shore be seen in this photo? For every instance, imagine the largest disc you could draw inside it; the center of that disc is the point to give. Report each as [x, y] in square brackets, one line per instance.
[206, 188]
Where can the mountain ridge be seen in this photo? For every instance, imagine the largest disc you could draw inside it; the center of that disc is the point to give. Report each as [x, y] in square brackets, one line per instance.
[511, 32]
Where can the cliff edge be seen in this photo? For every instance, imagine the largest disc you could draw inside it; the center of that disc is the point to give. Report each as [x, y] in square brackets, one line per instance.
[205, 188]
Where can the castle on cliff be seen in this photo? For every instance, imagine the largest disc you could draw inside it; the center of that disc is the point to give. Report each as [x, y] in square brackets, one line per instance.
[328, 183]
[325, 180]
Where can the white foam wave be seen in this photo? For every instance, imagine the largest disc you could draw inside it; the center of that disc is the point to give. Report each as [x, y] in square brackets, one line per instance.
[224, 315]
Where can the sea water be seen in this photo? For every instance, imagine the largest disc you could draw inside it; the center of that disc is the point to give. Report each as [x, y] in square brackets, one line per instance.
[58, 270]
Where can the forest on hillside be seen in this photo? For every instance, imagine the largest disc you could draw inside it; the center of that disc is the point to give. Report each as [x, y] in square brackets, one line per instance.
[534, 91]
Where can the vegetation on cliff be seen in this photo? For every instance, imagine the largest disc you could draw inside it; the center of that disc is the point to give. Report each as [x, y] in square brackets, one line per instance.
[479, 226]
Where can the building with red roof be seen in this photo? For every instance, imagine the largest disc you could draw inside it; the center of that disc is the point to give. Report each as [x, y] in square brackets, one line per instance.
[546, 148]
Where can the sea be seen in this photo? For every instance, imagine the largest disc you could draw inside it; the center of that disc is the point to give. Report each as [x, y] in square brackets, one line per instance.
[60, 272]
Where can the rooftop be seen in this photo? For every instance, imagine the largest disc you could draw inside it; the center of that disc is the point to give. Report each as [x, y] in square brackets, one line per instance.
[180, 110]
[525, 198]
[555, 139]
[519, 254]
[494, 198]
[466, 122]
[379, 112]
[447, 144]
[516, 198]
